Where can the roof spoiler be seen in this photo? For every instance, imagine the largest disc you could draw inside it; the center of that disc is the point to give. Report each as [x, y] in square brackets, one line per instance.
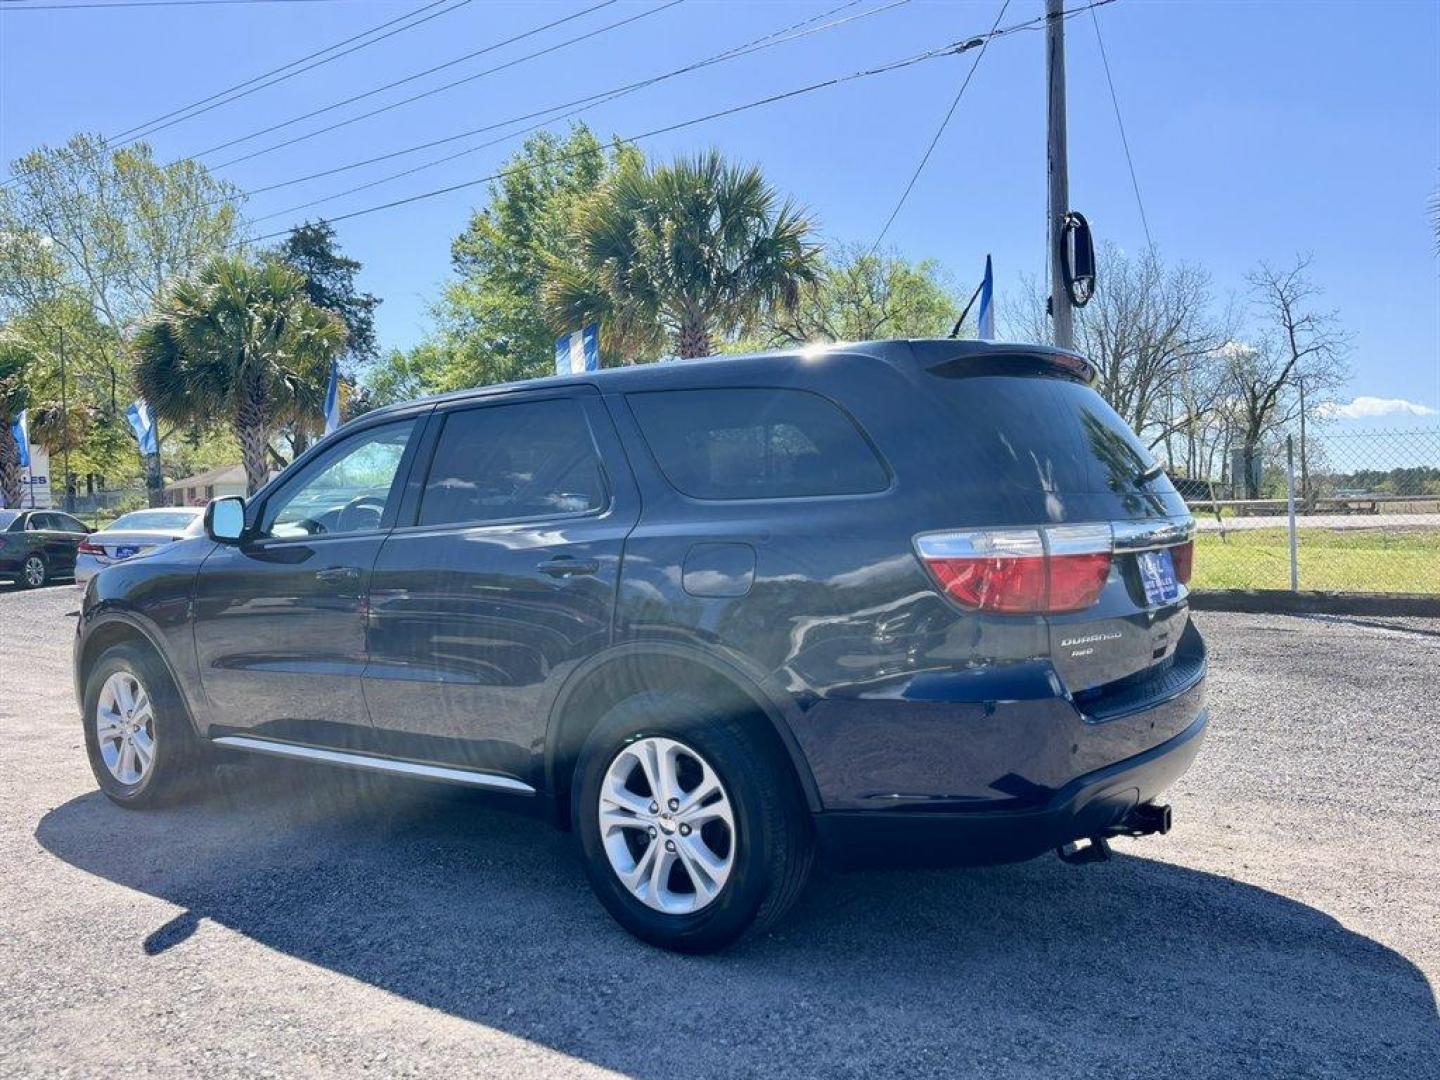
[1046, 362]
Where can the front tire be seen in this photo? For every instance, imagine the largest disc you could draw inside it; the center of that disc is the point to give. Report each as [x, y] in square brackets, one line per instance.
[692, 826]
[142, 747]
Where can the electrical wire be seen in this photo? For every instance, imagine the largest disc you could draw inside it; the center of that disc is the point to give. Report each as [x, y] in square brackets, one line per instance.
[96, 4]
[281, 74]
[925, 159]
[782, 36]
[1120, 123]
[952, 49]
[421, 74]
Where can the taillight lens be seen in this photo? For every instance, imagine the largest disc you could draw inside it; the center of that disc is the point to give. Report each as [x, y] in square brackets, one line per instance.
[1020, 571]
[1183, 555]
[87, 547]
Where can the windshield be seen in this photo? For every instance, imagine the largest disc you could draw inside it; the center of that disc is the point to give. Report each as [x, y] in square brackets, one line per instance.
[7, 518]
[1042, 433]
[158, 520]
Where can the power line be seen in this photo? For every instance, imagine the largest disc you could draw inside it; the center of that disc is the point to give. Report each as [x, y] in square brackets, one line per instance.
[421, 74]
[1120, 123]
[924, 160]
[97, 4]
[778, 37]
[284, 72]
[952, 49]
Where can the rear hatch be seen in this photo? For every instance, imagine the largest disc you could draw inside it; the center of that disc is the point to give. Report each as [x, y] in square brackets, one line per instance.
[1046, 470]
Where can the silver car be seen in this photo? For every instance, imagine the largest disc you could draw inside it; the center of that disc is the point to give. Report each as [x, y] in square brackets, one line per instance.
[132, 534]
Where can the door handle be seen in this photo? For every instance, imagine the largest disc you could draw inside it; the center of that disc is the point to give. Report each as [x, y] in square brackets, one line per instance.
[338, 575]
[567, 566]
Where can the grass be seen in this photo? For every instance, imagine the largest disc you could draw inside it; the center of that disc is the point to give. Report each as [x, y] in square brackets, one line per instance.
[1331, 560]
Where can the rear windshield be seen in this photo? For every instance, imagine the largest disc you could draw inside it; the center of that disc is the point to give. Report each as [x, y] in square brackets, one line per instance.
[756, 443]
[177, 520]
[1041, 433]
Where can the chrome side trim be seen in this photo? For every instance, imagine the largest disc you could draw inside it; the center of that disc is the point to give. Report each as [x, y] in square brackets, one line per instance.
[370, 763]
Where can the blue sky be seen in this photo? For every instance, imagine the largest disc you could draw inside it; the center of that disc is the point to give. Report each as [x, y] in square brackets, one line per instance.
[1258, 129]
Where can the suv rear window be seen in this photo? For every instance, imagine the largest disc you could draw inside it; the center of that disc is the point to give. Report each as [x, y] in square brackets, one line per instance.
[1039, 433]
[756, 444]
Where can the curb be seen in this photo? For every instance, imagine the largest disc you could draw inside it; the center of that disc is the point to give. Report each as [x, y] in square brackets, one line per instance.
[1285, 602]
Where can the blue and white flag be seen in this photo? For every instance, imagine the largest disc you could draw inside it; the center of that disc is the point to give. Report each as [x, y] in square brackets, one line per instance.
[332, 398]
[21, 430]
[144, 425]
[985, 320]
[578, 352]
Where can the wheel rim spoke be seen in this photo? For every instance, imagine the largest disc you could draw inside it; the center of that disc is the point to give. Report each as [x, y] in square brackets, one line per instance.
[124, 727]
[644, 838]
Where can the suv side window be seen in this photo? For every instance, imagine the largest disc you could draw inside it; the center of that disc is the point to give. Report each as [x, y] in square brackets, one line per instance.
[345, 490]
[756, 444]
[513, 461]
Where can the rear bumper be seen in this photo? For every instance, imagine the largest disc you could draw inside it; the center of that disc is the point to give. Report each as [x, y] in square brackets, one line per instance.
[87, 566]
[1090, 805]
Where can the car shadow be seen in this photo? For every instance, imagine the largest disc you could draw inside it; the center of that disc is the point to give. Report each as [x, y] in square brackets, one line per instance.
[1135, 967]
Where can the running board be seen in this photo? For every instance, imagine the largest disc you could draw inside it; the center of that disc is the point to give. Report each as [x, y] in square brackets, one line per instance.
[370, 763]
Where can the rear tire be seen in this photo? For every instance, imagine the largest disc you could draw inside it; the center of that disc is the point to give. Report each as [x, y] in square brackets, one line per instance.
[34, 572]
[738, 883]
[142, 747]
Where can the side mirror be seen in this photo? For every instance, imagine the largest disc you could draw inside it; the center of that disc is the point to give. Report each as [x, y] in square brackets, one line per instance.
[225, 519]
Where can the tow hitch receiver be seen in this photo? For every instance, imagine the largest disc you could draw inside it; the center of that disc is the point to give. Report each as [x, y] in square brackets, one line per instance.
[1079, 852]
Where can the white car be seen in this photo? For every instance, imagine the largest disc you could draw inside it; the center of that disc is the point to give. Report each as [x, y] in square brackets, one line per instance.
[131, 534]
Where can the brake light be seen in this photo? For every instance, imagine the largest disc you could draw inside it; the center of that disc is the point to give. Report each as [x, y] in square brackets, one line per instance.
[88, 548]
[1020, 571]
[1183, 556]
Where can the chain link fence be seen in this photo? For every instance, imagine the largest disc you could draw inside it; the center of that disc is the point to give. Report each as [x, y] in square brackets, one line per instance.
[1349, 513]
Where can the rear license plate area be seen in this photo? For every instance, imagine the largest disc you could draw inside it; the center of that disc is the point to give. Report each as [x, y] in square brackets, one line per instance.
[124, 551]
[1157, 575]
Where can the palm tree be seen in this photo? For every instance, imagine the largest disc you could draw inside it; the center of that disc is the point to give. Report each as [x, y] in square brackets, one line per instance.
[15, 359]
[240, 340]
[683, 255]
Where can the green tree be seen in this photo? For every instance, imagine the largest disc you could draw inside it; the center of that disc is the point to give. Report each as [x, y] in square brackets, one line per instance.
[404, 376]
[89, 237]
[493, 326]
[239, 340]
[15, 360]
[683, 256]
[863, 297]
[330, 283]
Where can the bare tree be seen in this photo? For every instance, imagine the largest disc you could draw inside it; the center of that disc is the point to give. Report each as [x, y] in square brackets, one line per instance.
[1290, 370]
[1151, 332]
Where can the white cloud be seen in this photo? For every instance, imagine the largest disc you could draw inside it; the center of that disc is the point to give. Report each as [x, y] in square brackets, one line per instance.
[1372, 408]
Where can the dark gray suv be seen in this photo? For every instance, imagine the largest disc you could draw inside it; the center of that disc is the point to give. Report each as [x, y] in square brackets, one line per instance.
[917, 601]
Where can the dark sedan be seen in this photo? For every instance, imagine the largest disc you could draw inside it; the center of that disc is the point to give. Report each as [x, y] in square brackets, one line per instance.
[37, 546]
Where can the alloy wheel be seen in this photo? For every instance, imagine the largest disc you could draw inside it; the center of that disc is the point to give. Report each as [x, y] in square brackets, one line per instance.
[34, 571]
[667, 825]
[125, 728]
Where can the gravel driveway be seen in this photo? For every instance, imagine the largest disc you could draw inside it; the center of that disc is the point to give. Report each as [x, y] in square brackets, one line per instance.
[295, 922]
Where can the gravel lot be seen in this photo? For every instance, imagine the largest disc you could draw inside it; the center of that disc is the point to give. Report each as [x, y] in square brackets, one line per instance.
[297, 923]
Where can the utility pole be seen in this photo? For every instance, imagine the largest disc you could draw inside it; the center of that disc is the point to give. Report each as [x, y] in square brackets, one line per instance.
[1058, 172]
[69, 500]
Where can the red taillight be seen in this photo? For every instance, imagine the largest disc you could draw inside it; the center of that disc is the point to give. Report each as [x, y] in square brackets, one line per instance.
[1183, 555]
[88, 548]
[1076, 580]
[1021, 571]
